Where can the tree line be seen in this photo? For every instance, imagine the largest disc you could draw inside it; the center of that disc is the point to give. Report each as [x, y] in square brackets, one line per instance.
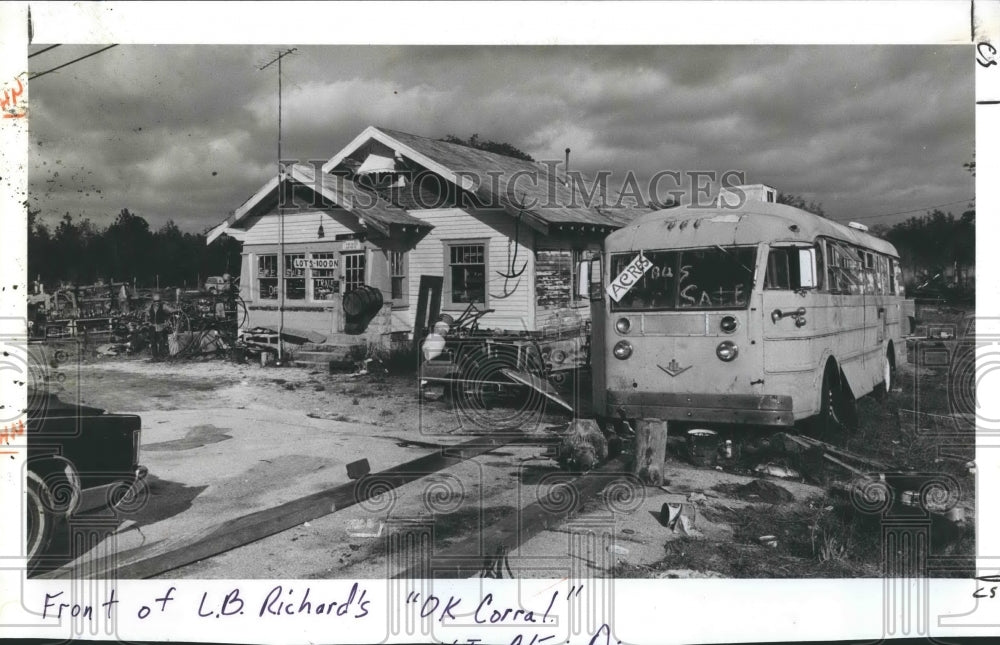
[936, 248]
[77, 251]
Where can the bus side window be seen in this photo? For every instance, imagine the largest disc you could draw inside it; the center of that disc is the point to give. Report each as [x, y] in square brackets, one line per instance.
[792, 267]
[778, 274]
[821, 282]
[832, 264]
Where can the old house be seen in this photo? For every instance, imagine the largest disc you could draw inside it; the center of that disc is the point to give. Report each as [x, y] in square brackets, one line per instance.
[501, 233]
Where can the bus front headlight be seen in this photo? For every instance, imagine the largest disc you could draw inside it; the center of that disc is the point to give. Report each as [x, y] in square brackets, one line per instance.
[728, 324]
[622, 350]
[623, 325]
[727, 350]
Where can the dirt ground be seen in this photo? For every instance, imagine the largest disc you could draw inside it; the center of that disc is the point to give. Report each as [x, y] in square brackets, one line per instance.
[222, 440]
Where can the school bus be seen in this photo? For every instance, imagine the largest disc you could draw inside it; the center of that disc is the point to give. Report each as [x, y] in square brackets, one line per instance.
[762, 315]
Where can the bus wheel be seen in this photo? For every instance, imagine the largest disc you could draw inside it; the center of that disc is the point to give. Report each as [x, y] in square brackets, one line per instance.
[888, 377]
[837, 414]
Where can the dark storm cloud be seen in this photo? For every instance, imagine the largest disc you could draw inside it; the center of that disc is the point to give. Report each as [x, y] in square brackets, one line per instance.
[189, 132]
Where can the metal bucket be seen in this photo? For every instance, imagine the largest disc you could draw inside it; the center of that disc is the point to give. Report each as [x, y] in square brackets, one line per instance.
[702, 446]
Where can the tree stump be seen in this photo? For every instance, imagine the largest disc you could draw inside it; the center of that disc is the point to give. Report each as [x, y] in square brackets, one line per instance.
[650, 451]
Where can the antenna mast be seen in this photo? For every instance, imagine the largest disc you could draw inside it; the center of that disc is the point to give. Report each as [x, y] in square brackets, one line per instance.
[281, 218]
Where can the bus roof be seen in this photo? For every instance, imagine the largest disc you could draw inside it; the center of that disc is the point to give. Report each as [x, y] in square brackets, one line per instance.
[752, 223]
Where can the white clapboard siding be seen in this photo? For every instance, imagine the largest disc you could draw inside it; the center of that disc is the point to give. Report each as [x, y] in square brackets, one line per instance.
[299, 227]
[515, 312]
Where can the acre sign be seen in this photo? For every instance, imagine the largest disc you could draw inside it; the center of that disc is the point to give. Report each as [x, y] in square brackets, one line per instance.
[628, 277]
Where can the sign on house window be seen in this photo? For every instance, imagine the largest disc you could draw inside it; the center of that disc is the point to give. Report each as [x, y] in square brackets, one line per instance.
[267, 277]
[324, 276]
[354, 271]
[295, 277]
[397, 276]
[466, 273]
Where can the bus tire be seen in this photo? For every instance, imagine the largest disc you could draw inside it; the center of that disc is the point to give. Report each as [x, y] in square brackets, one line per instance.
[888, 375]
[837, 411]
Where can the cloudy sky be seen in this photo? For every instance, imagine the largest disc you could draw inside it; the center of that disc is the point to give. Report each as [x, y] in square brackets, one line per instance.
[189, 132]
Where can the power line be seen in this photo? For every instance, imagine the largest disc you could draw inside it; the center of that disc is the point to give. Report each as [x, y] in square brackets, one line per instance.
[42, 51]
[75, 60]
[915, 210]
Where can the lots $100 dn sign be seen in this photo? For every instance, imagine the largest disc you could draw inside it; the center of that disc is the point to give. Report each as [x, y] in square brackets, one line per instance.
[315, 263]
[628, 277]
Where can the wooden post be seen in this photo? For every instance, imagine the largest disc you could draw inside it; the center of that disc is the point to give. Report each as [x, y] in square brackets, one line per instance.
[650, 451]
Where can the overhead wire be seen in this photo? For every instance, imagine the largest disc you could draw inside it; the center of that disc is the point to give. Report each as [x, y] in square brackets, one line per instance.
[42, 51]
[75, 60]
[914, 210]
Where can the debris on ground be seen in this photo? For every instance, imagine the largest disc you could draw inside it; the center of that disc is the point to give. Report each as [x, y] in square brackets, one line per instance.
[110, 349]
[583, 446]
[679, 517]
[764, 491]
[688, 573]
[777, 470]
[768, 541]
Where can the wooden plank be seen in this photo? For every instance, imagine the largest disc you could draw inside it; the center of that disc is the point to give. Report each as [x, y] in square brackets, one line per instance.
[470, 555]
[833, 450]
[160, 558]
[428, 305]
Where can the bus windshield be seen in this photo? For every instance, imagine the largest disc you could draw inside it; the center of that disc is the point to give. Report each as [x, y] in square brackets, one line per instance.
[714, 277]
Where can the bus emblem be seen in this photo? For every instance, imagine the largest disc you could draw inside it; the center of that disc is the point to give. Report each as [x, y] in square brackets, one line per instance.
[674, 368]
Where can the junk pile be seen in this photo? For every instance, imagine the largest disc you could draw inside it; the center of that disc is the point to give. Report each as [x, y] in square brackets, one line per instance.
[583, 447]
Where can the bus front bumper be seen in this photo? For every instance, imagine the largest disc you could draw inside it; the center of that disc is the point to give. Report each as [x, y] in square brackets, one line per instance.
[756, 409]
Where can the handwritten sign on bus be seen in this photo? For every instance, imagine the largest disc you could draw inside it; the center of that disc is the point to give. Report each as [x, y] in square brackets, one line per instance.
[628, 277]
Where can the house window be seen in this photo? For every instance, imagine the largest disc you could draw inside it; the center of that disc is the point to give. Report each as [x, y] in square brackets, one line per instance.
[295, 277]
[267, 277]
[324, 276]
[354, 271]
[466, 273]
[397, 276]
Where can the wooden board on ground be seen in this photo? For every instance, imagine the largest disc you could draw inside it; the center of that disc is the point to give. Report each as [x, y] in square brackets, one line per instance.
[166, 556]
[474, 553]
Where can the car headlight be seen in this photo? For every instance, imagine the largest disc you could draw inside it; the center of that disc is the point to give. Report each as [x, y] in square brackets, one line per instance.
[728, 324]
[727, 350]
[622, 350]
[623, 325]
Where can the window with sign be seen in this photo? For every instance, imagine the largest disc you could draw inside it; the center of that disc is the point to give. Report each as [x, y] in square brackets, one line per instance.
[295, 277]
[324, 276]
[708, 278]
[465, 277]
[354, 271]
[267, 277]
[397, 277]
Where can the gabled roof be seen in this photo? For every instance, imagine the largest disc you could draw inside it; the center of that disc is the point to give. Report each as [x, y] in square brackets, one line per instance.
[370, 208]
[520, 187]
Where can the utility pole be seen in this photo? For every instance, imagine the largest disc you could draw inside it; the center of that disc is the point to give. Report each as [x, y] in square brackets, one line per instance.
[281, 217]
